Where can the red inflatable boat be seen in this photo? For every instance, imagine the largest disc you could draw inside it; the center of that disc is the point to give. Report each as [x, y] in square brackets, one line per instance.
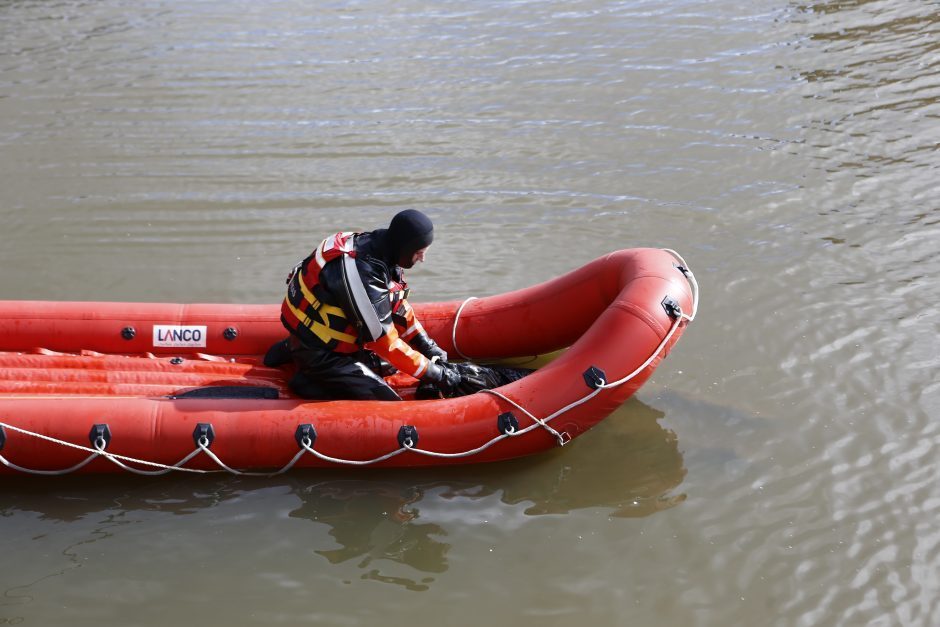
[158, 388]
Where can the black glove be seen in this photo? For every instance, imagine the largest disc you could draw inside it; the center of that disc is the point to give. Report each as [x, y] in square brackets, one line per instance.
[436, 351]
[446, 377]
[428, 347]
[472, 378]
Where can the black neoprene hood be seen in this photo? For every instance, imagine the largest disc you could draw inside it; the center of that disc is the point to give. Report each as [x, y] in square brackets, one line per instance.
[409, 232]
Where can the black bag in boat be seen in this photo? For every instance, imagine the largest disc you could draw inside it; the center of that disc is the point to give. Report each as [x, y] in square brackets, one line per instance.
[473, 378]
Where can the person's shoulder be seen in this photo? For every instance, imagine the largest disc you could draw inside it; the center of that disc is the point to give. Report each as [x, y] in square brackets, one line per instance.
[366, 254]
[372, 269]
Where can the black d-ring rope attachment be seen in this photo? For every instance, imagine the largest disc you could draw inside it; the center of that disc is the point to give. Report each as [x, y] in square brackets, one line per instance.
[507, 423]
[204, 434]
[408, 436]
[305, 435]
[594, 377]
[3, 438]
[672, 307]
[100, 436]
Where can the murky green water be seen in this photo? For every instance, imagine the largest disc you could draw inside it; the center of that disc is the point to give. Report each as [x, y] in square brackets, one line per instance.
[781, 467]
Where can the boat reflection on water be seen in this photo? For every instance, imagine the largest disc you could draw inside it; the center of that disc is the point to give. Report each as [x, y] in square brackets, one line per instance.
[395, 526]
[628, 465]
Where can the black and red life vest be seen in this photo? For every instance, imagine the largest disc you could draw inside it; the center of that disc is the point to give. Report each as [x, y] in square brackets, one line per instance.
[310, 312]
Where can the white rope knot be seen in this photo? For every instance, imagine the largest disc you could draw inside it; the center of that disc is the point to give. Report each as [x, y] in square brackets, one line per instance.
[562, 438]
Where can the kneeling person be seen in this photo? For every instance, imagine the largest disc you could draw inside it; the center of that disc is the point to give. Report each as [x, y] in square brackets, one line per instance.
[347, 312]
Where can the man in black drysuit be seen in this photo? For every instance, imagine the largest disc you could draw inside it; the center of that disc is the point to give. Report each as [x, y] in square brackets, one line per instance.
[350, 321]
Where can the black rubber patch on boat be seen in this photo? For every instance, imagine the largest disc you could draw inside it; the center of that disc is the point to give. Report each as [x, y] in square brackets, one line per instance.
[256, 392]
[672, 307]
[100, 432]
[594, 377]
[204, 430]
[305, 432]
[407, 436]
[507, 423]
[3, 438]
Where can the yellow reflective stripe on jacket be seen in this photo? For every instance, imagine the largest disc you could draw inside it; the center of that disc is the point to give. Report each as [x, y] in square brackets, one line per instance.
[324, 310]
[322, 330]
[307, 294]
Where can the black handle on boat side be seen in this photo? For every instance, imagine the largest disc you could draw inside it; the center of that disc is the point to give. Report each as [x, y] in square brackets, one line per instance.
[243, 392]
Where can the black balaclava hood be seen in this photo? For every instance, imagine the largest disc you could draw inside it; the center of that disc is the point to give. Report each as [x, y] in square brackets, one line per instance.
[409, 232]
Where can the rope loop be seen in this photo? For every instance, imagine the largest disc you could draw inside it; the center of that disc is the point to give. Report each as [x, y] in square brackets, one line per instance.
[453, 335]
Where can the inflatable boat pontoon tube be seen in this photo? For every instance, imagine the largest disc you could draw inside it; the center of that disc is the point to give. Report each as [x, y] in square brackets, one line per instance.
[156, 388]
